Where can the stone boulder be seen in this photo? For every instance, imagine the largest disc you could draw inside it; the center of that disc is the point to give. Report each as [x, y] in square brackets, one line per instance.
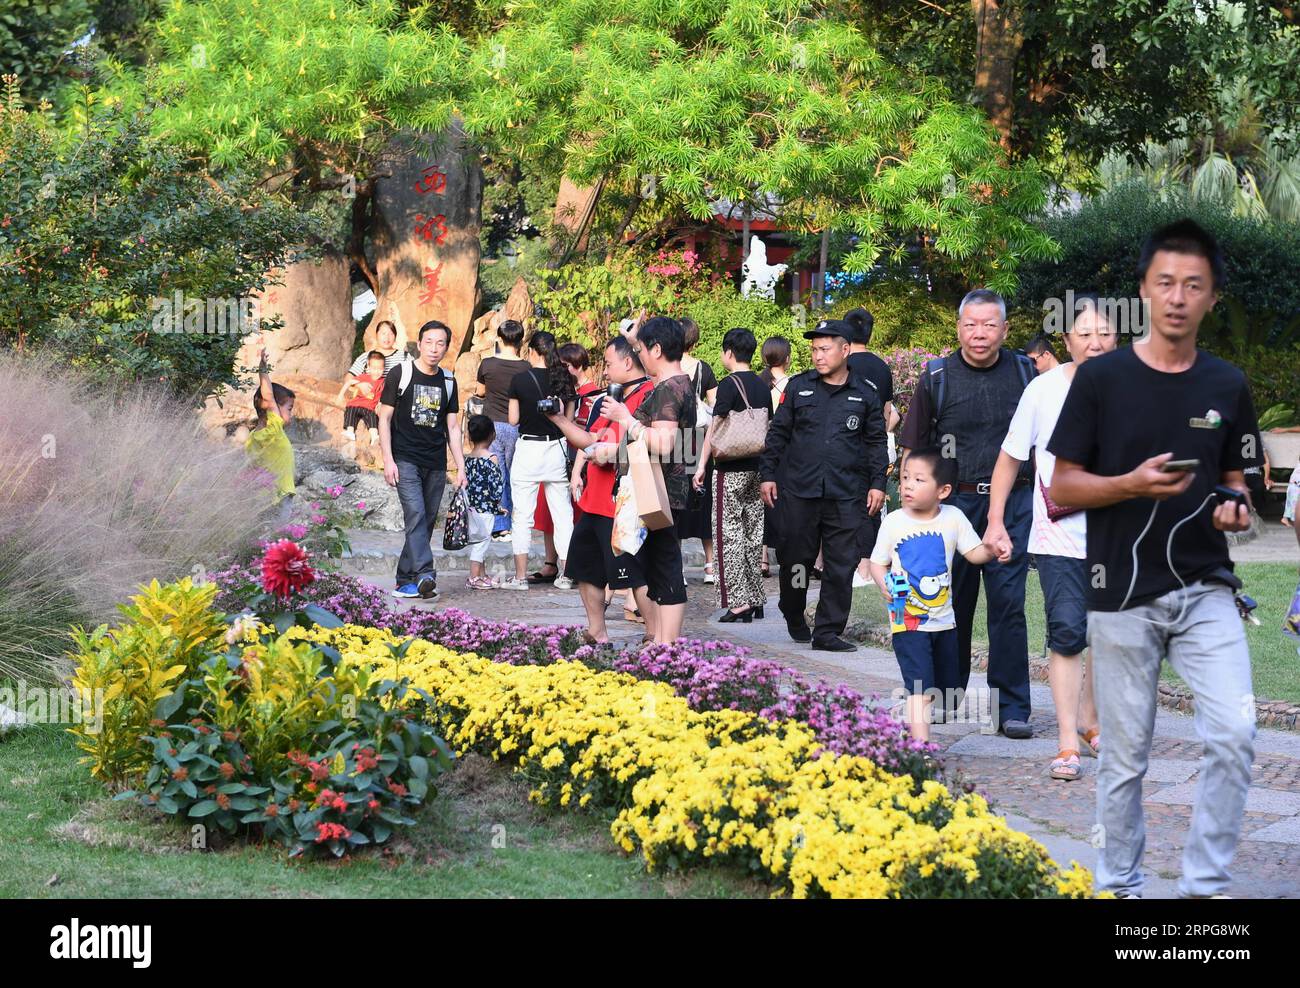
[319, 468]
[314, 300]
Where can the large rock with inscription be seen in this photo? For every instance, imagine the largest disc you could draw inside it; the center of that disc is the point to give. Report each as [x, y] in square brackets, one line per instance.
[425, 234]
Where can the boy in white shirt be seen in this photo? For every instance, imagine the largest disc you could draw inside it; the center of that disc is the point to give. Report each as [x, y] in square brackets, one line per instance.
[912, 565]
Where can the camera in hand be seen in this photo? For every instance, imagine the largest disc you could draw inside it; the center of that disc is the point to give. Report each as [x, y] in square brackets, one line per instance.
[615, 391]
[549, 406]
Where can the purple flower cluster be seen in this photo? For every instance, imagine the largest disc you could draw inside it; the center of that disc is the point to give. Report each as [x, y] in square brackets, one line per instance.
[710, 675]
[718, 675]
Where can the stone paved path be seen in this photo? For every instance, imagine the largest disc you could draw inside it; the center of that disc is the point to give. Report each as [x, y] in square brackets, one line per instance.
[1012, 774]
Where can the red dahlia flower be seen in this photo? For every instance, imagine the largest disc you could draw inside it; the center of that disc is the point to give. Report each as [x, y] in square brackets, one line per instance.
[285, 569]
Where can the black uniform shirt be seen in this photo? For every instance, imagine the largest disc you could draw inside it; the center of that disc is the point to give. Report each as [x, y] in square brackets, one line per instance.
[829, 441]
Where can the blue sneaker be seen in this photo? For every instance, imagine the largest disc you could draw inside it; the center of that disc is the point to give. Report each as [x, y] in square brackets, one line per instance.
[428, 588]
[407, 590]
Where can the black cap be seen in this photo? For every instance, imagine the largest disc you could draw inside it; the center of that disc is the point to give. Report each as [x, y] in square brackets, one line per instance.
[831, 327]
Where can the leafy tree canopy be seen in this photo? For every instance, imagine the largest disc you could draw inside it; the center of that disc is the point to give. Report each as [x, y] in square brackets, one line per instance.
[1099, 77]
[682, 103]
[99, 229]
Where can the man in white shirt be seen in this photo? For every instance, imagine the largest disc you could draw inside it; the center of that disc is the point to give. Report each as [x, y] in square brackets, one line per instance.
[1057, 537]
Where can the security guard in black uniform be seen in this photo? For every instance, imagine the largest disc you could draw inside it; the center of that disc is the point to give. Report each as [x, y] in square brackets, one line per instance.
[828, 439]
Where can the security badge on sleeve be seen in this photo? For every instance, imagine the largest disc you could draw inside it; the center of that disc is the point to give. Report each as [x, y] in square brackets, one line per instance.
[1212, 420]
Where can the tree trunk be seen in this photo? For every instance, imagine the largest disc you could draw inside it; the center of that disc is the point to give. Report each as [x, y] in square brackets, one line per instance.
[819, 300]
[998, 40]
[575, 208]
[744, 231]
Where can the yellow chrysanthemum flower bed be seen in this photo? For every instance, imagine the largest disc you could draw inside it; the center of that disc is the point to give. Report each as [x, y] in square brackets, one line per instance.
[687, 786]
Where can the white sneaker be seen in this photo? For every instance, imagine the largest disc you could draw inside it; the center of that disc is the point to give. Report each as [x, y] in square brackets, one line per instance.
[350, 435]
[374, 437]
[562, 582]
[514, 583]
[708, 574]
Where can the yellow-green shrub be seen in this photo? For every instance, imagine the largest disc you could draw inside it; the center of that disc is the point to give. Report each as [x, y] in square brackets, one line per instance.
[280, 694]
[166, 633]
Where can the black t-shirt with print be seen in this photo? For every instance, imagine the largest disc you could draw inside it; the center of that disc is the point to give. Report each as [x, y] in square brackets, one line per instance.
[419, 429]
[1120, 412]
[729, 400]
[528, 388]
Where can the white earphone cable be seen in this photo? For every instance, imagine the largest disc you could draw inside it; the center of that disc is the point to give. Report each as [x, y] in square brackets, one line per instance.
[1169, 556]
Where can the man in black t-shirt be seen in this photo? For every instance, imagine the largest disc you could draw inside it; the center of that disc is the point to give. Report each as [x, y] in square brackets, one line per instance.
[963, 404]
[1146, 434]
[417, 413]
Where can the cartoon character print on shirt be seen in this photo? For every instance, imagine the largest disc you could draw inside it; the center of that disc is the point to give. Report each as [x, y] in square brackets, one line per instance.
[924, 558]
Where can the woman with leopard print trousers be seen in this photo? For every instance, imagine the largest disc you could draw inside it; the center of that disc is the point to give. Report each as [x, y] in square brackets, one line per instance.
[737, 506]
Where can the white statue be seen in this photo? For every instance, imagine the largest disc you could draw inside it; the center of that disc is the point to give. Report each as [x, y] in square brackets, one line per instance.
[758, 274]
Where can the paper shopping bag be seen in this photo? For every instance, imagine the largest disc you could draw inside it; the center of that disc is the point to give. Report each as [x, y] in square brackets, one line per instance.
[648, 487]
[628, 533]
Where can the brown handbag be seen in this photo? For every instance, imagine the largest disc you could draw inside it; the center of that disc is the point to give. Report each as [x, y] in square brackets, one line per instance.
[739, 434]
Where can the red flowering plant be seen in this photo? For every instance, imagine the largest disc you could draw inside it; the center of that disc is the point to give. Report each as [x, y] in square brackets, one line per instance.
[276, 581]
[284, 568]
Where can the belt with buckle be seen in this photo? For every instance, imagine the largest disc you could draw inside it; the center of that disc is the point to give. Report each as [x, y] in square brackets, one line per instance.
[985, 486]
[542, 439]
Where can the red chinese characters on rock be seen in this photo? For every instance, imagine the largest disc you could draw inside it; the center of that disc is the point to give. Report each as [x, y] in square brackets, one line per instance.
[432, 180]
[425, 227]
[431, 288]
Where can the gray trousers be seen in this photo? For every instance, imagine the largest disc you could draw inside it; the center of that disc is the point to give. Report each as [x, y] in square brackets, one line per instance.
[1207, 648]
[419, 489]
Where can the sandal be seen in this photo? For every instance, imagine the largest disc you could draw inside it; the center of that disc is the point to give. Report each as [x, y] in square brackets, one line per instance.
[542, 577]
[1092, 738]
[589, 639]
[480, 583]
[1065, 766]
[633, 616]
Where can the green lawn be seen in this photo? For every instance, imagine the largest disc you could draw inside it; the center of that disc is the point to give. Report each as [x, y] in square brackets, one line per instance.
[1273, 655]
[54, 820]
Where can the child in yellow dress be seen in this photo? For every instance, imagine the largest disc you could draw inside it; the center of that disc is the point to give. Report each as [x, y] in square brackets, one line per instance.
[268, 447]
